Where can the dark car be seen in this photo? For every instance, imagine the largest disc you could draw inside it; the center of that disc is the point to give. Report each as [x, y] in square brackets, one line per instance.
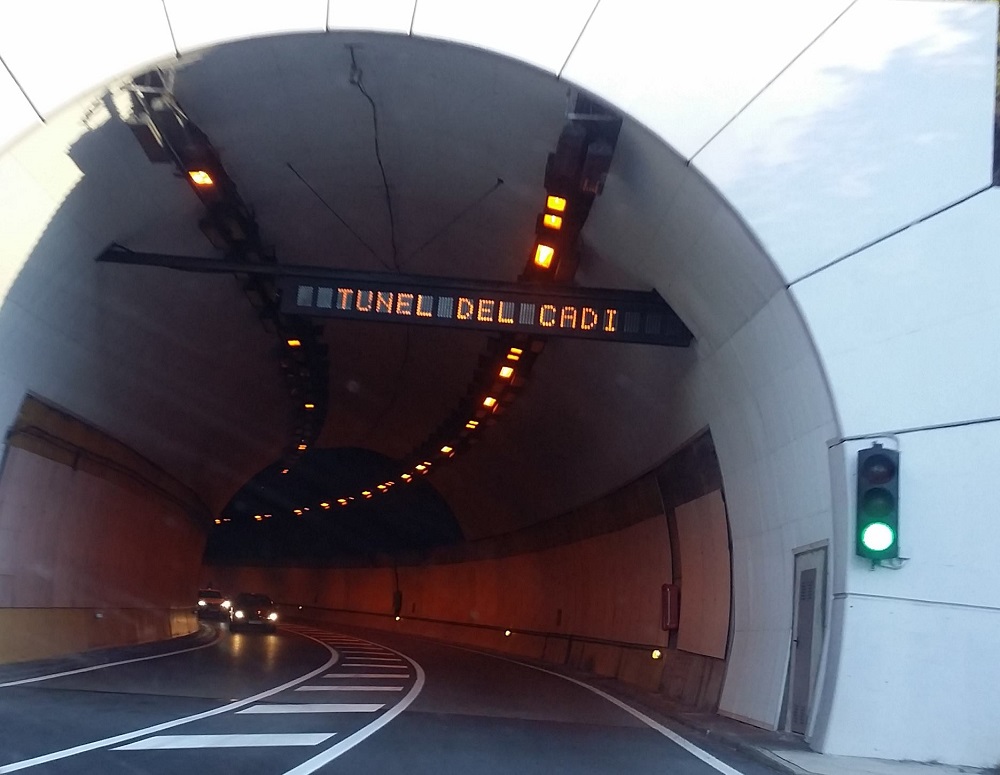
[253, 610]
[212, 604]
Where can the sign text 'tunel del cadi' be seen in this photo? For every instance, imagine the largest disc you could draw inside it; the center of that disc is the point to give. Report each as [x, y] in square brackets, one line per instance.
[548, 310]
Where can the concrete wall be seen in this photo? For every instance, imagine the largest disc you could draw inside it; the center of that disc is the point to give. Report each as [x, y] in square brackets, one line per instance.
[602, 588]
[583, 589]
[82, 550]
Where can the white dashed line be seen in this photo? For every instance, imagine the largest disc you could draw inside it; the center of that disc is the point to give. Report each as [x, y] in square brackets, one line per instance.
[171, 742]
[314, 707]
[349, 689]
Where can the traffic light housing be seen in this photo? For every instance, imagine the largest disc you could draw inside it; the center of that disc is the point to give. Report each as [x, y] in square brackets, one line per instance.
[877, 506]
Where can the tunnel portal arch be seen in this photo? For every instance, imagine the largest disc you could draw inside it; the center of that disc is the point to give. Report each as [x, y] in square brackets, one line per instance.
[819, 147]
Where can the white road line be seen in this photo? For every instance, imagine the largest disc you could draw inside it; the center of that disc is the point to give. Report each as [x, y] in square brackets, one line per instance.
[372, 658]
[314, 707]
[109, 741]
[383, 665]
[109, 664]
[169, 742]
[687, 745]
[331, 753]
[367, 675]
[316, 688]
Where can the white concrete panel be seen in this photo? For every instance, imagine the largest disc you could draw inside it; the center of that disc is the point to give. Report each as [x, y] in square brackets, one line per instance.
[16, 114]
[59, 51]
[907, 329]
[198, 24]
[539, 32]
[376, 15]
[692, 65]
[841, 148]
[915, 682]
[704, 547]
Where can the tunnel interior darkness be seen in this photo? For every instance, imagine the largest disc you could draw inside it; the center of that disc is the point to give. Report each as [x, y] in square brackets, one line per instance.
[267, 521]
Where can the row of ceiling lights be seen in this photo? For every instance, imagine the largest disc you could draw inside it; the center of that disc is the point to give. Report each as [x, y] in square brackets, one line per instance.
[168, 136]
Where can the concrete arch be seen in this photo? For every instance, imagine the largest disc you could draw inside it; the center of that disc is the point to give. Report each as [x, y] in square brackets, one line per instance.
[843, 137]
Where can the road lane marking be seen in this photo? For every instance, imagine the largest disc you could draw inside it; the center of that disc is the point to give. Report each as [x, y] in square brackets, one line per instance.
[674, 737]
[108, 664]
[123, 738]
[171, 742]
[315, 688]
[389, 660]
[367, 675]
[314, 707]
[389, 666]
[331, 753]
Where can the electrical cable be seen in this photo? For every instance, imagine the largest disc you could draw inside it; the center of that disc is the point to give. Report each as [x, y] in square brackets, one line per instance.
[336, 214]
[478, 200]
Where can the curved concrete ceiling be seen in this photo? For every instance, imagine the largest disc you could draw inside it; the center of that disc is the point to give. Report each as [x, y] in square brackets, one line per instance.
[298, 137]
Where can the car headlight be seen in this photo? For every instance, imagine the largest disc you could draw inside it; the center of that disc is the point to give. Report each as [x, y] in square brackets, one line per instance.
[272, 617]
[226, 604]
[201, 602]
[238, 614]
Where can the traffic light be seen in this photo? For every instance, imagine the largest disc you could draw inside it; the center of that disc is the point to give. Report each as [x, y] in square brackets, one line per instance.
[877, 507]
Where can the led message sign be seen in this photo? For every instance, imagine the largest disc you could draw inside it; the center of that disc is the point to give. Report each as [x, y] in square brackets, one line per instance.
[547, 309]
[606, 315]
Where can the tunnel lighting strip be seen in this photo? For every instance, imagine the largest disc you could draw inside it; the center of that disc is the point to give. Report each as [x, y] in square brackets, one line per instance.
[126, 737]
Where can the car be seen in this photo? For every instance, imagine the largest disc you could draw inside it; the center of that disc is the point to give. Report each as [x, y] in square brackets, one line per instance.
[212, 604]
[253, 610]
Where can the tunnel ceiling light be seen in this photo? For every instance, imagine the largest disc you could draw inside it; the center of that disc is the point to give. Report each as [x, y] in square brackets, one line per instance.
[382, 488]
[420, 467]
[258, 517]
[544, 255]
[298, 512]
[309, 406]
[342, 501]
[301, 447]
[284, 471]
[506, 372]
[550, 221]
[446, 450]
[472, 424]
[406, 477]
[201, 177]
[656, 654]
[489, 402]
[218, 522]
[293, 342]
[515, 354]
[324, 505]
[366, 493]
[555, 203]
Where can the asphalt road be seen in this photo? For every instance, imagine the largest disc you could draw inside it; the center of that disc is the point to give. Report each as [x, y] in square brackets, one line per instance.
[308, 700]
